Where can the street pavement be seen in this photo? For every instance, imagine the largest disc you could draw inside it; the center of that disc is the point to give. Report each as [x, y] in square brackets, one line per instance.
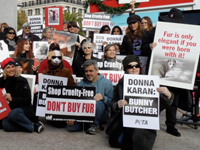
[61, 139]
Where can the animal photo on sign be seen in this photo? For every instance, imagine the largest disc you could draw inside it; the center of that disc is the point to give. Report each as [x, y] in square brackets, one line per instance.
[26, 65]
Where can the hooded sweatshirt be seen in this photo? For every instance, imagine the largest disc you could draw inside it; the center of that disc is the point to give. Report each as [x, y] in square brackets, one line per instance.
[102, 85]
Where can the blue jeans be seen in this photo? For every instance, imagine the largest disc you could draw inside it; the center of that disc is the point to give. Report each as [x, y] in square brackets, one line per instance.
[17, 121]
[102, 114]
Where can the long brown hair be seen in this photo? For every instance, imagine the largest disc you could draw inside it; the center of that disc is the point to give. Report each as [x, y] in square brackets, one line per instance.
[132, 35]
[20, 48]
[149, 22]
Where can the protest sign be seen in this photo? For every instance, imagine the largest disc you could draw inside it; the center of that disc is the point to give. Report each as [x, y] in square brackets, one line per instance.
[26, 65]
[110, 39]
[36, 23]
[54, 17]
[40, 49]
[4, 107]
[70, 102]
[176, 55]
[94, 21]
[128, 1]
[142, 110]
[45, 80]
[4, 53]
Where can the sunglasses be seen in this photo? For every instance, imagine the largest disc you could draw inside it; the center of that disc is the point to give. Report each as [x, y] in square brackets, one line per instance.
[11, 33]
[54, 57]
[87, 48]
[132, 66]
[27, 28]
[72, 26]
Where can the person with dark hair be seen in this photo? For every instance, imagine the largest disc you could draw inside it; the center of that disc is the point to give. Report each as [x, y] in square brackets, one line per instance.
[3, 26]
[18, 95]
[147, 23]
[116, 30]
[104, 90]
[65, 26]
[11, 38]
[105, 29]
[132, 138]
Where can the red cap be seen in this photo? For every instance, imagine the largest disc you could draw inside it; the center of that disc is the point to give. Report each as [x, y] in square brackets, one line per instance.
[6, 62]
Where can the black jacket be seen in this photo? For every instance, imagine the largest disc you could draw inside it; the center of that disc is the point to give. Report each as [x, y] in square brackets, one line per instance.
[20, 91]
[32, 37]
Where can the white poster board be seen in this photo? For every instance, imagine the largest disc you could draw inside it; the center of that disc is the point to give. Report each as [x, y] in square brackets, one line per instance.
[4, 53]
[142, 110]
[70, 103]
[36, 23]
[110, 39]
[45, 80]
[128, 1]
[40, 49]
[176, 55]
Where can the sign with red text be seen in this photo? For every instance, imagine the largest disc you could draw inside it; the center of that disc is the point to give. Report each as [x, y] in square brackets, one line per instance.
[94, 21]
[176, 55]
[4, 107]
[44, 81]
[142, 110]
[70, 103]
[110, 39]
[128, 1]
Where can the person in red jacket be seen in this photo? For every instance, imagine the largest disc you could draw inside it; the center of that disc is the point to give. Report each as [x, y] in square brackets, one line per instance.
[44, 64]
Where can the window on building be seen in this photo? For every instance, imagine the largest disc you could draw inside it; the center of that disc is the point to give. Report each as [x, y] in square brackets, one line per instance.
[44, 10]
[79, 2]
[80, 11]
[30, 3]
[25, 4]
[73, 1]
[30, 12]
[36, 2]
[73, 9]
[67, 9]
[40, 1]
[37, 11]
[45, 1]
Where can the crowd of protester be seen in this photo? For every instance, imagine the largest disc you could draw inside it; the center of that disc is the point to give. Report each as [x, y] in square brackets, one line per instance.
[137, 41]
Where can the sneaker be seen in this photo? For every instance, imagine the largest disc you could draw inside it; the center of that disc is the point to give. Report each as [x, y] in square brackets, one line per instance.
[93, 130]
[173, 131]
[38, 127]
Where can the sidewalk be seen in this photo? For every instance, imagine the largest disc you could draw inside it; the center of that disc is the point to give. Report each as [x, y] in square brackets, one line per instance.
[61, 139]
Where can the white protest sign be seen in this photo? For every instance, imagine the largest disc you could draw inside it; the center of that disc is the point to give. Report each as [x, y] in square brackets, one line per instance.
[70, 102]
[45, 80]
[176, 55]
[110, 39]
[94, 21]
[36, 23]
[4, 53]
[40, 49]
[128, 1]
[142, 110]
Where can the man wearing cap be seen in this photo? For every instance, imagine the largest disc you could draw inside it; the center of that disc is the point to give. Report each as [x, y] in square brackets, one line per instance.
[44, 64]
[27, 33]
[174, 16]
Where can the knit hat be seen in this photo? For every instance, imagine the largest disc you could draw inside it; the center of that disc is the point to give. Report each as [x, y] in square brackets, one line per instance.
[54, 46]
[133, 19]
[174, 15]
[130, 58]
[7, 61]
[18, 63]
[26, 24]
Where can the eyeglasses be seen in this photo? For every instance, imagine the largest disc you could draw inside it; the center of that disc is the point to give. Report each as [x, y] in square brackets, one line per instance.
[11, 33]
[144, 22]
[27, 28]
[54, 57]
[132, 66]
[87, 47]
[72, 26]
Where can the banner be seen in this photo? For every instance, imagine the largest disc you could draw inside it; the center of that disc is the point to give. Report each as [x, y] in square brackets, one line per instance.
[45, 80]
[36, 23]
[176, 55]
[128, 1]
[40, 49]
[4, 107]
[70, 103]
[54, 17]
[110, 39]
[93, 21]
[142, 110]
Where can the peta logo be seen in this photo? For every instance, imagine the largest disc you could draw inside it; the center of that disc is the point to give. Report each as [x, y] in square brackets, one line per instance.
[141, 122]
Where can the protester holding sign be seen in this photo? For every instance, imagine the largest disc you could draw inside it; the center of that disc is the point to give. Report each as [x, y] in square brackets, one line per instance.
[88, 54]
[18, 95]
[131, 138]
[11, 39]
[116, 30]
[103, 96]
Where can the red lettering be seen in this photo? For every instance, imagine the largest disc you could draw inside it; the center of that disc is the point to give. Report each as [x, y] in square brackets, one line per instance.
[63, 106]
[69, 107]
[48, 105]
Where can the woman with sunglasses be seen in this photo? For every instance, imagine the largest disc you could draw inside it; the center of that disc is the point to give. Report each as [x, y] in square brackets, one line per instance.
[77, 66]
[11, 38]
[132, 138]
